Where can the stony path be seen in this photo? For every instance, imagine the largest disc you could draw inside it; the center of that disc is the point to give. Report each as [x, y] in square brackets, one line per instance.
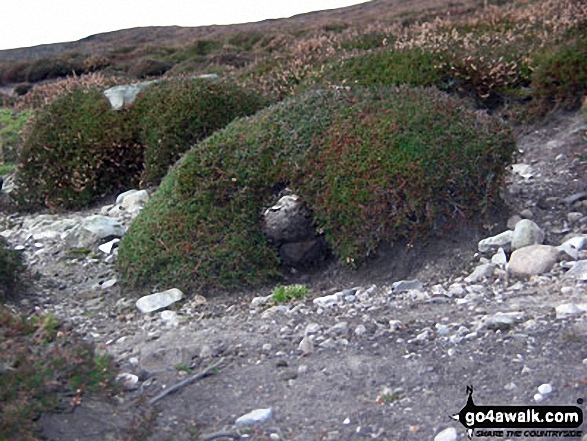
[360, 359]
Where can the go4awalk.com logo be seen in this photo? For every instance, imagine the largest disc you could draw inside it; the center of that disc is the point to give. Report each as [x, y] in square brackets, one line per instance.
[520, 421]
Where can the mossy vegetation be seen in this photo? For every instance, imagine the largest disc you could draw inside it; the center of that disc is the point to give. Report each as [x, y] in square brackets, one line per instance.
[77, 150]
[174, 115]
[374, 165]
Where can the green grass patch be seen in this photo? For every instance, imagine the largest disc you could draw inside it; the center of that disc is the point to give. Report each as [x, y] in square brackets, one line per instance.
[283, 294]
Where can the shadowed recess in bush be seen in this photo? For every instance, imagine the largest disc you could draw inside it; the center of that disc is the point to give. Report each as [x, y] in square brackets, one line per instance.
[373, 165]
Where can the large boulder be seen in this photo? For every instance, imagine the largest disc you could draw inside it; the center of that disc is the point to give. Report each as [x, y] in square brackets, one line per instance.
[92, 230]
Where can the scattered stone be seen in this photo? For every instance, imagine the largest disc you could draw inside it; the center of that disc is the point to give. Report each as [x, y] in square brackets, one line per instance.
[109, 283]
[259, 302]
[254, 418]
[306, 346]
[312, 329]
[578, 242]
[492, 244]
[570, 200]
[526, 233]
[360, 330]
[578, 271]
[340, 329]
[501, 320]
[524, 170]
[527, 214]
[574, 217]
[568, 251]
[545, 389]
[159, 300]
[568, 310]
[449, 434]
[128, 381]
[481, 272]
[532, 260]
[170, 318]
[407, 285]
[327, 301]
[499, 258]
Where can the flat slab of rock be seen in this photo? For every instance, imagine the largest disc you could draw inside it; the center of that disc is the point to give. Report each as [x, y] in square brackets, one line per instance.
[254, 418]
[532, 260]
[91, 230]
[159, 300]
[578, 271]
[494, 243]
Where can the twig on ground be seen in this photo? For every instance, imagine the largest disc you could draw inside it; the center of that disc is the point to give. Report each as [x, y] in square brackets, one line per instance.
[232, 435]
[206, 372]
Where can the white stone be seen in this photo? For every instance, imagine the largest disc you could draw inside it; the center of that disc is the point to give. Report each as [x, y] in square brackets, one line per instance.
[327, 301]
[545, 389]
[258, 302]
[312, 329]
[532, 260]
[526, 233]
[578, 271]
[449, 434]
[128, 381]
[91, 230]
[120, 96]
[306, 346]
[256, 417]
[499, 258]
[481, 272]
[123, 195]
[407, 285]
[567, 310]
[492, 244]
[170, 318]
[578, 242]
[109, 283]
[568, 251]
[135, 201]
[159, 300]
[524, 170]
[107, 247]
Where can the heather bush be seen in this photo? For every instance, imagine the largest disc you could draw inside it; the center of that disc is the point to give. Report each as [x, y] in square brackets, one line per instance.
[177, 113]
[414, 67]
[76, 151]
[11, 268]
[374, 165]
[560, 76]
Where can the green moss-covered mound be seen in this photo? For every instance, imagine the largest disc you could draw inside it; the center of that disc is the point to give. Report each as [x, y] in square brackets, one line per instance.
[373, 165]
[77, 150]
[176, 114]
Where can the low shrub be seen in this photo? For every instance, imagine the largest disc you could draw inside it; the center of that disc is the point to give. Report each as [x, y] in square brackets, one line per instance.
[560, 77]
[12, 124]
[77, 150]
[373, 165]
[43, 369]
[176, 114]
[11, 269]
[148, 67]
[414, 67]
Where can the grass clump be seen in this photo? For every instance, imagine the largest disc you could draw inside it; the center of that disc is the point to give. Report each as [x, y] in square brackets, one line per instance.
[77, 150]
[43, 368]
[282, 294]
[374, 165]
[176, 114]
[11, 267]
